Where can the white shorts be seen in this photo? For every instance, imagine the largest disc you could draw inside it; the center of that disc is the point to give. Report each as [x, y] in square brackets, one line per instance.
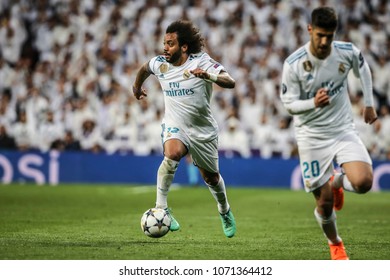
[204, 154]
[317, 162]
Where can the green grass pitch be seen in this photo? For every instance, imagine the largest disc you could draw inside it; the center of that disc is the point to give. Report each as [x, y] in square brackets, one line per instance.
[94, 222]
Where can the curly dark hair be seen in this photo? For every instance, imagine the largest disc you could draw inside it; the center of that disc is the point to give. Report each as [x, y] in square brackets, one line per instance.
[187, 34]
[324, 17]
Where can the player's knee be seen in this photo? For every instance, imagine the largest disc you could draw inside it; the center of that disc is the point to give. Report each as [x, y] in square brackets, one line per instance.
[325, 218]
[364, 186]
[174, 155]
[168, 166]
[325, 207]
[211, 179]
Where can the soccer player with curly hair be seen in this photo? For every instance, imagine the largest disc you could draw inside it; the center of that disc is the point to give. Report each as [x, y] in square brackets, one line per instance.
[187, 75]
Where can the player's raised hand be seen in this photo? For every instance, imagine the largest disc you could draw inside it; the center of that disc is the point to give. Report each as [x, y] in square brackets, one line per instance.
[370, 115]
[139, 93]
[200, 73]
[321, 99]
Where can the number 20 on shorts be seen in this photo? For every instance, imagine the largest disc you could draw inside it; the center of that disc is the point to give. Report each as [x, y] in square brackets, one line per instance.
[311, 169]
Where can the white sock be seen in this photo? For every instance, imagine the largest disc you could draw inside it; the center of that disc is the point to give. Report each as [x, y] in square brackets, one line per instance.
[166, 173]
[347, 184]
[329, 227]
[341, 181]
[219, 194]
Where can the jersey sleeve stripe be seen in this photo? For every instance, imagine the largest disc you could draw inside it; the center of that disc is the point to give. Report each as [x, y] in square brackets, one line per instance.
[343, 46]
[294, 57]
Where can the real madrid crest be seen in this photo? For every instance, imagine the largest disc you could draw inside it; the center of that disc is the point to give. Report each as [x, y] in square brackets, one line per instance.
[341, 68]
[164, 68]
[307, 66]
[186, 74]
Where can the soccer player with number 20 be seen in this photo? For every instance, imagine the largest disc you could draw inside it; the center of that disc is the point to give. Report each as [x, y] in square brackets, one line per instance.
[314, 91]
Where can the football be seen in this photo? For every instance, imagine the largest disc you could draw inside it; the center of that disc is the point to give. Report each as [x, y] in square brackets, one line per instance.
[155, 223]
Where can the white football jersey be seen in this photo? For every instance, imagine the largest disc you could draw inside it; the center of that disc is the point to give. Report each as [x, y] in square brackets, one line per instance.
[304, 74]
[186, 97]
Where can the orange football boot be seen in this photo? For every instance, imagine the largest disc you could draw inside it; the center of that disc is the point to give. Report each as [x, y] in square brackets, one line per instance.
[337, 252]
[338, 196]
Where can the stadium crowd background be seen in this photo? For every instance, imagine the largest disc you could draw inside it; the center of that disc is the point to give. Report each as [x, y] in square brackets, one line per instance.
[67, 67]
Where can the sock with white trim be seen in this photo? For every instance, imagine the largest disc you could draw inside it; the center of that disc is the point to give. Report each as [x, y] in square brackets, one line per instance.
[166, 173]
[328, 226]
[341, 181]
[219, 193]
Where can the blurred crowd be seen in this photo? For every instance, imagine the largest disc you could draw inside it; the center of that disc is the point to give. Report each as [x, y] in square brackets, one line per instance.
[67, 67]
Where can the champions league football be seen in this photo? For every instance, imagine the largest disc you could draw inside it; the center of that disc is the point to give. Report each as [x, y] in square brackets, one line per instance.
[155, 223]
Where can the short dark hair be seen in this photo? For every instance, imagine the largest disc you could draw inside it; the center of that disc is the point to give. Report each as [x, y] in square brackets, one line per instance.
[187, 34]
[324, 17]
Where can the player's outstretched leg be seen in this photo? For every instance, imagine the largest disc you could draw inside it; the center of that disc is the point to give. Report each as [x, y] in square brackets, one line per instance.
[329, 228]
[219, 193]
[165, 175]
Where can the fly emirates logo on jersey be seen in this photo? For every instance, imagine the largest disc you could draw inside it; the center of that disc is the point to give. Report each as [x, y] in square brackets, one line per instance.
[176, 90]
[331, 90]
